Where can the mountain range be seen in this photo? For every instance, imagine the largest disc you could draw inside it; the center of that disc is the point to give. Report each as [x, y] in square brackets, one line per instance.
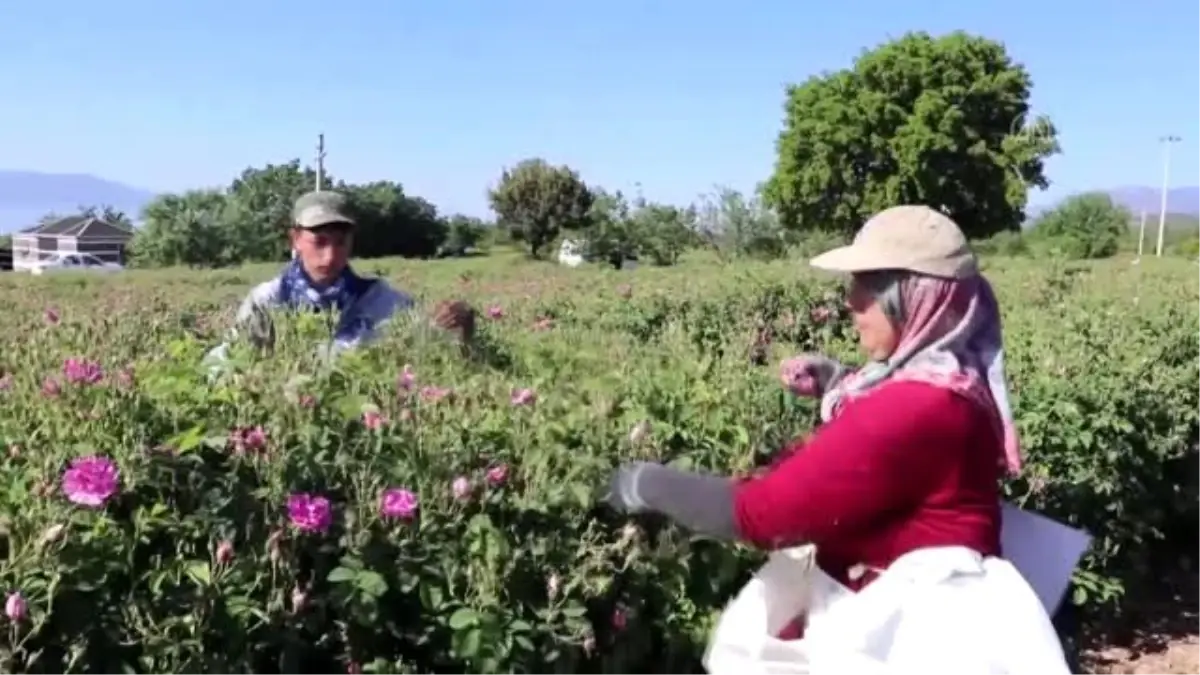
[26, 196]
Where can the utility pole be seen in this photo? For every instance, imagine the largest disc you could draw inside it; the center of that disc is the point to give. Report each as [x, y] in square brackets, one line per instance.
[1142, 235]
[320, 161]
[1162, 209]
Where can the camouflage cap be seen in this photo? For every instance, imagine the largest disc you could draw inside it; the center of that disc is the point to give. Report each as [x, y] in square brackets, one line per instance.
[320, 208]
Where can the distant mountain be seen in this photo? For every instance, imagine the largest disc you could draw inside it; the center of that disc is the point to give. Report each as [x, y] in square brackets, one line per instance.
[1184, 200]
[26, 196]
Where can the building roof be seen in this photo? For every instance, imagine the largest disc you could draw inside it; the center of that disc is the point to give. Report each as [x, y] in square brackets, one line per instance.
[81, 227]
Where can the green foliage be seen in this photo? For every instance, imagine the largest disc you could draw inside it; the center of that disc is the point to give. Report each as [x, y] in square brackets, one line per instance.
[611, 235]
[1002, 243]
[1083, 227]
[463, 233]
[248, 221]
[919, 120]
[733, 225]
[535, 201]
[194, 567]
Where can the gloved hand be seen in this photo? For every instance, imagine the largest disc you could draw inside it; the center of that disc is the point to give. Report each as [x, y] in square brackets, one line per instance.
[260, 330]
[810, 375]
[622, 492]
[699, 502]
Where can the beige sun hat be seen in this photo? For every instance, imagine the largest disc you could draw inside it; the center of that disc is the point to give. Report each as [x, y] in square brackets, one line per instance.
[911, 237]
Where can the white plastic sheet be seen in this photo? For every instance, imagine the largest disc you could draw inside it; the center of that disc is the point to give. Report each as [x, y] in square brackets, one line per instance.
[941, 610]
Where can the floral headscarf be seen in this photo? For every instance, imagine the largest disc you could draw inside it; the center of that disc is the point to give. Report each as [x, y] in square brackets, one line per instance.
[950, 338]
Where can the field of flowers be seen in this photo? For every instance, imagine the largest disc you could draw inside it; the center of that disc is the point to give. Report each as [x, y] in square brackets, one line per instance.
[405, 510]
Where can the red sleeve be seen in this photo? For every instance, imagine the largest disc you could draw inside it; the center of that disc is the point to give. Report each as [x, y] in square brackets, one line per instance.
[885, 451]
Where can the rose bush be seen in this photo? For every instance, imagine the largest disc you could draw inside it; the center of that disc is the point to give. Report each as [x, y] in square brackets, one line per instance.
[404, 511]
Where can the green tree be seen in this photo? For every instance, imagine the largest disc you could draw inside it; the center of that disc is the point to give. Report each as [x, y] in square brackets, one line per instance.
[610, 235]
[261, 209]
[733, 225]
[664, 231]
[462, 233]
[392, 223]
[1083, 226]
[107, 213]
[535, 201]
[188, 229]
[942, 122]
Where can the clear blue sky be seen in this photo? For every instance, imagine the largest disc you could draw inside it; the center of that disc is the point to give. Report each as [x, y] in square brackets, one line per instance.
[677, 96]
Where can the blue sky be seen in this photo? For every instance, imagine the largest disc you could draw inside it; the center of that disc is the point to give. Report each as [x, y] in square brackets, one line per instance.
[441, 95]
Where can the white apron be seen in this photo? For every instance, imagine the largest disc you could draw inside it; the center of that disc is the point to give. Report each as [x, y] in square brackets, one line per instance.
[936, 610]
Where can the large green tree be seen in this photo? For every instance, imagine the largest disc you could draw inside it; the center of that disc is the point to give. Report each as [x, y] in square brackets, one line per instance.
[938, 121]
[191, 229]
[535, 201]
[248, 221]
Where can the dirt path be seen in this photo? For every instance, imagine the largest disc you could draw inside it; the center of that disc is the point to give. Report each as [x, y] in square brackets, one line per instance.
[1159, 634]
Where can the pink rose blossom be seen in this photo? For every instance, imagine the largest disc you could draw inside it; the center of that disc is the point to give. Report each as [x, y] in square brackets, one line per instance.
[248, 439]
[90, 481]
[495, 312]
[125, 378]
[374, 420]
[15, 607]
[407, 378]
[461, 487]
[309, 512]
[51, 388]
[225, 552]
[497, 475]
[82, 371]
[431, 393]
[398, 503]
[523, 396]
[619, 619]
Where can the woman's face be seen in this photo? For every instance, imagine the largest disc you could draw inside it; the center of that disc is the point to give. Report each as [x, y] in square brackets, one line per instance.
[877, 333]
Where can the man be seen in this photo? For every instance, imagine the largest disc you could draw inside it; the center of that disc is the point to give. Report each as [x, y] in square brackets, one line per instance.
[319, 278]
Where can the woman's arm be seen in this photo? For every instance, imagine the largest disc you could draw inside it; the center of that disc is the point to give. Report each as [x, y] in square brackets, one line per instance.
[884, 453]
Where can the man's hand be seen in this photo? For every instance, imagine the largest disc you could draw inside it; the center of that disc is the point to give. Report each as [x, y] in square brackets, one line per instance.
[457, 317]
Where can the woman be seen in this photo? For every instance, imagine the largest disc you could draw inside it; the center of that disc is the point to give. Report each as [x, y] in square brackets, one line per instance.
[908, 463]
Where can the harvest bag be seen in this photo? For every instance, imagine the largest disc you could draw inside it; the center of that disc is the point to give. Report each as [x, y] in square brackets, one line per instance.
[941, 610]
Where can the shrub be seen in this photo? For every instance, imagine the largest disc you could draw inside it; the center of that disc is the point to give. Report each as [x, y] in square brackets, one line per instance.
[405, 511]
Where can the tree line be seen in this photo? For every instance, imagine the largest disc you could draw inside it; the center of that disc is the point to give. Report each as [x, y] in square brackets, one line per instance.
[943, 121]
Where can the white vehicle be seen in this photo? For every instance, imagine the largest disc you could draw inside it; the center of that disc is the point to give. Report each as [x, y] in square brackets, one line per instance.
[71, 262]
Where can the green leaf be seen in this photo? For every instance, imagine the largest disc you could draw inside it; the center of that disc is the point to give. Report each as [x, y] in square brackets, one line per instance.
[199, 571]
[372, 583]
[188, 440]
[1079, 596]
[462, 618]
[574, 610]
[340, 574]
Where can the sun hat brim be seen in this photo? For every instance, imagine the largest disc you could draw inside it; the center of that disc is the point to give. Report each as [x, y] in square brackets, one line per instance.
[851, 259]
[854, 259]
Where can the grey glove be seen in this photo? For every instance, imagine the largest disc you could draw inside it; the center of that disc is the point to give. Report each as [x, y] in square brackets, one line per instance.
[699, 502]
[259, 329]
[623, 494]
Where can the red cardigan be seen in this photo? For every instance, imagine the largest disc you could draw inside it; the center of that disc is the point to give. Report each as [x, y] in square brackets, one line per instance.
[907, 466]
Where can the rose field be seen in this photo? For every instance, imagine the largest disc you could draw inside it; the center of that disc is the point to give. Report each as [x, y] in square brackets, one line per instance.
[405, 510]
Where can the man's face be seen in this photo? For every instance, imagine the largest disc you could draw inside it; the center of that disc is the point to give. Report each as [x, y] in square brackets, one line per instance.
[323, 251]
